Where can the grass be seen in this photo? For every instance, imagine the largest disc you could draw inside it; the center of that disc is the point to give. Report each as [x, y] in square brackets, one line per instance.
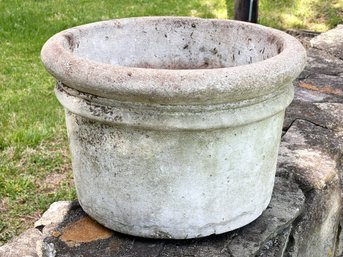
[35, 166]
[317, 15]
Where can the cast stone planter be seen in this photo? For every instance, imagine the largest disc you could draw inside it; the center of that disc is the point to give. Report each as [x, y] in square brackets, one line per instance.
[174, 123]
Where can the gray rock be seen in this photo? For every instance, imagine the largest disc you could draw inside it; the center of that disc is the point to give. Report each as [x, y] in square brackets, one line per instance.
[55, 214]
[286, 205]
[327, 115]
[276, 246]
[315, 232]
[45, 249]
[332, 113]
[323, 83]
[330, 41]
[311, 154]
[339, 244]
[23, 245]
[321, 62]
[312, 147]
[320, 82]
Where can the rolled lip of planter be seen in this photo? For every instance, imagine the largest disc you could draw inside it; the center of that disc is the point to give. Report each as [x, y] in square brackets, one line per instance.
[176, 86]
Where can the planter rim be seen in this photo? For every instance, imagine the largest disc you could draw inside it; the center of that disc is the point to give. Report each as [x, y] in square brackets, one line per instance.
[173, 86]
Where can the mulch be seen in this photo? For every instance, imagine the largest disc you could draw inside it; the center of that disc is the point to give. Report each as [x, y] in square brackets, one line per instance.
[304, 36]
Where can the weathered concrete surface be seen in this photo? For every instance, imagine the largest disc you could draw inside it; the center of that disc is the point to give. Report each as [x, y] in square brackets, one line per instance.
[164, 144]
[168, 185]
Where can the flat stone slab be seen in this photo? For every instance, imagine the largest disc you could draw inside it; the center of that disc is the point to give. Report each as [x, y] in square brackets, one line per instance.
[79, 235]
[312, 153]
[286, 203]
[318, 90]
[312, 147]
[23, 245]
[322, 62]
[330, 41]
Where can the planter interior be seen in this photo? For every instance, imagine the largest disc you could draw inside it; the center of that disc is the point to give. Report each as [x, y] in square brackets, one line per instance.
[177, 45]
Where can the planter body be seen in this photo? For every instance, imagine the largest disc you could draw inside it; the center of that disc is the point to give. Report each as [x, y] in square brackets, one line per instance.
[174, 123]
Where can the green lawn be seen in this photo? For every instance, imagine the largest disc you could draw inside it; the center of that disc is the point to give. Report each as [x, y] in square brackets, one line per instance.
[34, 160]
[318, 15]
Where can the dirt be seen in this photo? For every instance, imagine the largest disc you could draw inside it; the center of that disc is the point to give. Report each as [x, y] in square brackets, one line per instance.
[83, 231]
[53, 181]
[304, 36]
